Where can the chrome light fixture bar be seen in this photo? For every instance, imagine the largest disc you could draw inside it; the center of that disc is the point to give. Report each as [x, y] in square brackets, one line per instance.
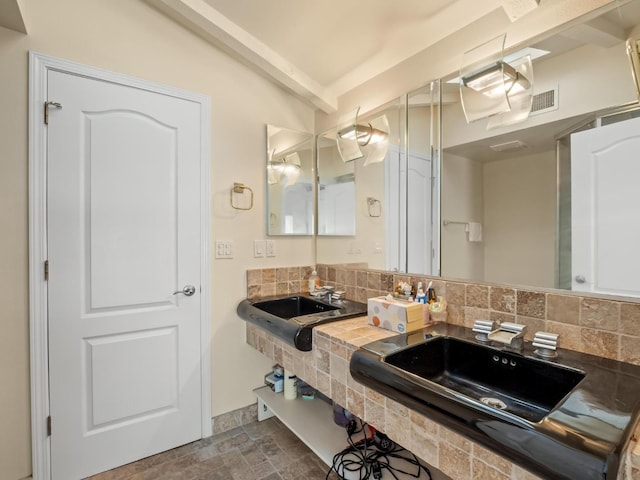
[364, 134]
[368, 140]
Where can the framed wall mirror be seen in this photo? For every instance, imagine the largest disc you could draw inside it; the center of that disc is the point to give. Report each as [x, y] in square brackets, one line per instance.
[290, 197]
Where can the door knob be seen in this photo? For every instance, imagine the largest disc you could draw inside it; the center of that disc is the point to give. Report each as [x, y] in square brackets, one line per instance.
[188, 290]
[580, 279]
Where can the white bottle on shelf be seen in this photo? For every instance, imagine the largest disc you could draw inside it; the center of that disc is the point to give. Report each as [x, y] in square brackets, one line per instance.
[290, 387]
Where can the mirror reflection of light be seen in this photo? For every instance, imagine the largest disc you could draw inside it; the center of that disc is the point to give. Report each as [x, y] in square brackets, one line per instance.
[362, 139]
[284, 170]
[364, 134]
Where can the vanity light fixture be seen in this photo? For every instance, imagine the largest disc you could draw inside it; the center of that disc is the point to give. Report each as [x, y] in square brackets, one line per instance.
[363, 139]
[497, 79]
[491, 87]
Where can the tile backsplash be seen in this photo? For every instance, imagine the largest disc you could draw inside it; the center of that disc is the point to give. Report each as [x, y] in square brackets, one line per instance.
[603, 327]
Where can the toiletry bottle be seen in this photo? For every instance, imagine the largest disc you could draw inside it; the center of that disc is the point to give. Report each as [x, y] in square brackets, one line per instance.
[314, 281]
[290, 390]
[421, 297]
[431, 294]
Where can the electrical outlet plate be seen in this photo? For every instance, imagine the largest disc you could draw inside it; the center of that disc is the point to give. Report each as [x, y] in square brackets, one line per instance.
[224, 249]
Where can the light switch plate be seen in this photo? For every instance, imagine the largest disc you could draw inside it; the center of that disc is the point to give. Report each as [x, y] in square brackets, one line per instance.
[271, 248]
[258, 248]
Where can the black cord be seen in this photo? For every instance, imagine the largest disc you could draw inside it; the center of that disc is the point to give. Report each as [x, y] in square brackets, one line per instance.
[364, 457]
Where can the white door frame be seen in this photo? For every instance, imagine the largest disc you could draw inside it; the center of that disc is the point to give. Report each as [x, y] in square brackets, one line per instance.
[39, 65]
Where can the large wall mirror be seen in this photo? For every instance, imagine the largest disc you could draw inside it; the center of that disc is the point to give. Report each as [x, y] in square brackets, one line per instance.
[544, 193]
[336, 189]
[396, 200]
[510, 195]
[289, 182]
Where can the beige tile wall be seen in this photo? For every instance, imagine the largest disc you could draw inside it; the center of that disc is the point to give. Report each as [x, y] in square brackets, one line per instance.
[603, 327]
[326, 368]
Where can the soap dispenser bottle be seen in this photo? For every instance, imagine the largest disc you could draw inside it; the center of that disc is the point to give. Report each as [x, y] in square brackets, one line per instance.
[314, 281]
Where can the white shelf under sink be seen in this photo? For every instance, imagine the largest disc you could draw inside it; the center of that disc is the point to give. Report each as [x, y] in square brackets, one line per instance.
[312, 422]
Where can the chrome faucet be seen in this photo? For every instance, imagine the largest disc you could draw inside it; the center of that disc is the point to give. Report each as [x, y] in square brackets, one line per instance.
[323, 293]
[327, 296]
[509, 334]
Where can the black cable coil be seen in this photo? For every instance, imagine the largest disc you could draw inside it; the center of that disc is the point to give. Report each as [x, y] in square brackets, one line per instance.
[369, 458]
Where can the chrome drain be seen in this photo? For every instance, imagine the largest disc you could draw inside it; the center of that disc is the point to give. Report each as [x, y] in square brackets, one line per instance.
[494, 402]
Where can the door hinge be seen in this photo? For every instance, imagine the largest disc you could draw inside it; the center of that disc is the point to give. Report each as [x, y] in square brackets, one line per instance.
[49, 426]
[46, 110]
[46, 270]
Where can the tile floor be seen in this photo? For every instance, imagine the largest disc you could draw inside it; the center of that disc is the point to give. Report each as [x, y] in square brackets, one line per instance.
[257, 451]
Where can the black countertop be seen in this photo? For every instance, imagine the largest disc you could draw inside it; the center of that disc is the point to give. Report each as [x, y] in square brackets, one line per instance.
[297, 331]
[582, 438]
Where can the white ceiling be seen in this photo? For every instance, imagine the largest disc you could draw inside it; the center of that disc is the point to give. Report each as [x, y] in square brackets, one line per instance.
[330, 39]
[321, 50]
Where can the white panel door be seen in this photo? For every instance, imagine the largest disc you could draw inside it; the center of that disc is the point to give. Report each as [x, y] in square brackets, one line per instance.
[419, 214]
[123, 236]
[605, 219]
[408, 231]
[337, 210]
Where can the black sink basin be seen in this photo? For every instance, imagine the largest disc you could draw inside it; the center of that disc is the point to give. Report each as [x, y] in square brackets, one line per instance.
[566, 419]
[292, 317]
[523, 386]
[290, 307]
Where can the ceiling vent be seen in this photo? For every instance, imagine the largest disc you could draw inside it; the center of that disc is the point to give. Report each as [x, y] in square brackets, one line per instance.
[513, 145]
[544, 102]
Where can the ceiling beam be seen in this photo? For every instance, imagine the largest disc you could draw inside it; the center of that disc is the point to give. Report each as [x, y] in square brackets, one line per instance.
[201, 17]
[598, 31]
[516, 9]
[11, 16]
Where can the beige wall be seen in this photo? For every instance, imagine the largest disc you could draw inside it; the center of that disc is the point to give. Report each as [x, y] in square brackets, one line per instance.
[520, 216]
[515, 201]
[130, 37]
[462, 201]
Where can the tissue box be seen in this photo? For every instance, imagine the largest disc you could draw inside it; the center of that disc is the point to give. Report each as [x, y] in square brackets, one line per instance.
[395, 315]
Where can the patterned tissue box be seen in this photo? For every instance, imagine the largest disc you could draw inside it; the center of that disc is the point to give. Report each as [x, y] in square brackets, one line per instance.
[396, 315]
